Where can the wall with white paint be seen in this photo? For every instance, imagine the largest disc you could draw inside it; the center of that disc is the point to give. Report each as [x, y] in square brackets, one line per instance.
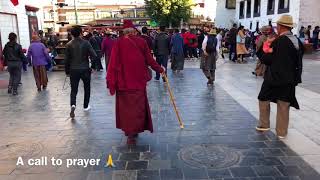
[8, 22]
[264, 19]
[224, 17]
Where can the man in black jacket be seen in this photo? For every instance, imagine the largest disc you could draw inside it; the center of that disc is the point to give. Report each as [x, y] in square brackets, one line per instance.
[284, 68]
[77, 67]
[162, 49]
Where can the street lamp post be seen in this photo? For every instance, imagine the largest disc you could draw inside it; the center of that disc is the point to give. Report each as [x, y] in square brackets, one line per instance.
[75, 10]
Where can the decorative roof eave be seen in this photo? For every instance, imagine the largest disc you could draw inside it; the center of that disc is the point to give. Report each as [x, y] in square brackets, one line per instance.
[31, 8]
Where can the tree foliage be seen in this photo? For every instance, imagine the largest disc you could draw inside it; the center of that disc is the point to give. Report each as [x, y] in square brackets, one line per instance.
[169, 11]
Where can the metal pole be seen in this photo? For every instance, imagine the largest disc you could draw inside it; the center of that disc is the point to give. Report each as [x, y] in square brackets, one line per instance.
[75, 11]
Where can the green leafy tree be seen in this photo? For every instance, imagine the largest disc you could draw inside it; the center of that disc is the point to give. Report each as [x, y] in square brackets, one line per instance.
[166, 12]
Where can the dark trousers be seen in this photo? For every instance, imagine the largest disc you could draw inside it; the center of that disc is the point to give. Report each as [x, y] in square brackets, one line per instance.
[233, 52]
[25, 66]
[193, 52]
[162, 60]
[14, 69]
[96, 62]
[75, 76]
[200, 52]
[185, 50]
[315, 43]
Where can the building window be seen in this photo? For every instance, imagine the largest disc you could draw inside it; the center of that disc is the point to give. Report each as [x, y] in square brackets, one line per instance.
[251, 25]
[231, 4]
[241, 12]
[284, 6]
[257, 6]
[271, 5]
[248, 9]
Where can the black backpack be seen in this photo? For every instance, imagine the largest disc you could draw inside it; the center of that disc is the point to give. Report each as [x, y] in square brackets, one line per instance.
[211, 45]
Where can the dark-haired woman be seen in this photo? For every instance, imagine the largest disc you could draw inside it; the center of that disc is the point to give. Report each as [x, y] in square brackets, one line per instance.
[241, 47]
[13, 58]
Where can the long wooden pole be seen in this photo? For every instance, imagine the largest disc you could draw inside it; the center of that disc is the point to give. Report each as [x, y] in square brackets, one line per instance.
[173, 102]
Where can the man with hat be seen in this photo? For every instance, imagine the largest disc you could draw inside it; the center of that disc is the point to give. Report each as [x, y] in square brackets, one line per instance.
[283, 73]
[127, 77]
[106, 47]
[209, 58]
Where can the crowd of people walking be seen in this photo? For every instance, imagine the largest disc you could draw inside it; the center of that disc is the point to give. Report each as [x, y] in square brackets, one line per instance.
[130, 55]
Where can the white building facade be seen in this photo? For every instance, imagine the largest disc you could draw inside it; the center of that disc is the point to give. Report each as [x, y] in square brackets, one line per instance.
[14, 19]
[256, 13]
[225, 13]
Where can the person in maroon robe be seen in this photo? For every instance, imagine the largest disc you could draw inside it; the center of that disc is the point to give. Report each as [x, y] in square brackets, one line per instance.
[106, 47]
[127, 77]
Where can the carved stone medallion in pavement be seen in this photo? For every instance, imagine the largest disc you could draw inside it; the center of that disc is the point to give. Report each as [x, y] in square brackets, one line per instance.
[25, 150]
[209, 156]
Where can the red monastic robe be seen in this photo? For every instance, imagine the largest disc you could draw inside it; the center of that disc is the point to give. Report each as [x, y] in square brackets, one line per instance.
[127, 76]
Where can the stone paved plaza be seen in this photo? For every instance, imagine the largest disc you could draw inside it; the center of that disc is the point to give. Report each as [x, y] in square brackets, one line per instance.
[219, 140]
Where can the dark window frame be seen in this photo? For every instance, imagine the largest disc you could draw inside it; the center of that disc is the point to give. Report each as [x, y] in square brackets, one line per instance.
[283, 10]
[229, 6]
[257, 8]
[248, 11]
[271, 11]
[241, 10]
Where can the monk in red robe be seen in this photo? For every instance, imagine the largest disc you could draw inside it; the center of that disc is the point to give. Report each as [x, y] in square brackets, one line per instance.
[127, 77]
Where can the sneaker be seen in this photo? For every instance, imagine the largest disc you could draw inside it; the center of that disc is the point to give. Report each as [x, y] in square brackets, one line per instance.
[87, 109]
[73, 108]
[281, 137]
[210, 82]
[156, 79]
[15, 92]
[258, 128]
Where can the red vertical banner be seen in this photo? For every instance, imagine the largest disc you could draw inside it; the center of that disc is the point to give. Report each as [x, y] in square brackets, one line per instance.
[33, 26]
[15, 2]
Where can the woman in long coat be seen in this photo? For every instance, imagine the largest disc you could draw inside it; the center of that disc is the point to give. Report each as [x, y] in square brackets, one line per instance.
[241, 47]
[39, 56]
[177, 52]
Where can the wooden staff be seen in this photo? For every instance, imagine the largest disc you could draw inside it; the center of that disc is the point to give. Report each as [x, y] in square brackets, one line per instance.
[173, 102]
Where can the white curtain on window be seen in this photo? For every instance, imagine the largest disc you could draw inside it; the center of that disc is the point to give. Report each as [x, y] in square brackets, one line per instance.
[8, 24]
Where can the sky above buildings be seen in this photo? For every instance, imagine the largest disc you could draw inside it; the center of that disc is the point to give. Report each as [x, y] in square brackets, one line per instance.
[43, 2]
[210, 5]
